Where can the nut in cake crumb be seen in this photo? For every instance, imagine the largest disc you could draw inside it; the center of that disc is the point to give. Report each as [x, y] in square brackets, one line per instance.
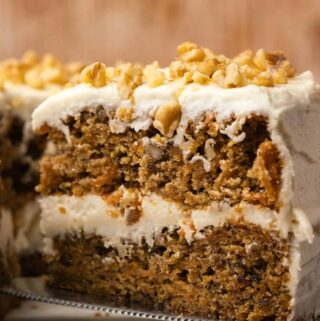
[167, 118]
[125, 114]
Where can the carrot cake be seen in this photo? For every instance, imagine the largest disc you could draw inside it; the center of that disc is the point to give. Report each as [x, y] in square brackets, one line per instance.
[24, 84]
[191, 189]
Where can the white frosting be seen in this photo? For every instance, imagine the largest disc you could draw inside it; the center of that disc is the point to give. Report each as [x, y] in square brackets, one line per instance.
[194, 100]
[28, 237]
[24, 99]
[307, 304]
[93, 214]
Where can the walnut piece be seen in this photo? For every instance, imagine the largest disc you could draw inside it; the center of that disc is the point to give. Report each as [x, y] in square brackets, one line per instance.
[130, 77]
[167, 118]
[95, 75]
[152, 75]
[193, 64]
[39, 72]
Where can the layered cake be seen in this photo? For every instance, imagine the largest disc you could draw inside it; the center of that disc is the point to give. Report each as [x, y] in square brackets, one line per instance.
[191, 189]
[24, 84]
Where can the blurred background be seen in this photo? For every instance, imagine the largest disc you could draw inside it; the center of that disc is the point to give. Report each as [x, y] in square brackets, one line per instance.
[145, 30]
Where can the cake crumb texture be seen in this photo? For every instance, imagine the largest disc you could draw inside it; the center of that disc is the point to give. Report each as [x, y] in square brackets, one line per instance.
[234, 272]
[208, 166]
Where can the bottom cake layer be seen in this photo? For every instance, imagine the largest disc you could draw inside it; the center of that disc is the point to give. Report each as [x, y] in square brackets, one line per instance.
[234, 272]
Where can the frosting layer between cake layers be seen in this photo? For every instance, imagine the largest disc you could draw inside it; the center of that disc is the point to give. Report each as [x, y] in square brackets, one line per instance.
[94, 215]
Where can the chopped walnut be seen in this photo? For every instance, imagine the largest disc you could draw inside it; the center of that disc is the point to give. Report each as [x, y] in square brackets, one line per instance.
[167, 118]
[153, 76]
[219, 77]
[33, 78]
[125, 114]
[233, 76]
[95, 75]
[200, 78]
[130, 77]
[194, 64]
[39, 72]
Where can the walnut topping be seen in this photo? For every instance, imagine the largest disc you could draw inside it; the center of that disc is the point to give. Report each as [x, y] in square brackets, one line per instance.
[152, 75]
[39, 72]
[167, 118]
[130, 77]
[219, 77]
[33, 78]
[95, 75]
[200, 78]
[234, 78]
[194, 64]
[201, 65]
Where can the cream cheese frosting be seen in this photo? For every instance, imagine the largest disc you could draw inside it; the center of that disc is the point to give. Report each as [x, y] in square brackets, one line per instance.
[194, 99]
[24, 99]
[93, 214]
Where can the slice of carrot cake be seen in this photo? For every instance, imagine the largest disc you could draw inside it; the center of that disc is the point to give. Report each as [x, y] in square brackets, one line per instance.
[191, 189]
[24, 84]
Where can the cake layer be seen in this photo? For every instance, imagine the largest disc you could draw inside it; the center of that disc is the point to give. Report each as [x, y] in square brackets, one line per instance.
[207, 167]
[234, 272]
